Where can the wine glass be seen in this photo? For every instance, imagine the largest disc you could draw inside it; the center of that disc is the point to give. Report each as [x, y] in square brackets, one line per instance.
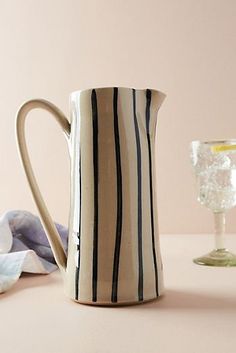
[214, 164]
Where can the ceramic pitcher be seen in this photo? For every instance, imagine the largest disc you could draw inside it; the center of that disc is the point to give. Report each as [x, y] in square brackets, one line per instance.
[113, 251]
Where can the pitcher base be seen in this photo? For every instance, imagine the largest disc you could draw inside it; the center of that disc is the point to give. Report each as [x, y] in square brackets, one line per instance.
[125, 303]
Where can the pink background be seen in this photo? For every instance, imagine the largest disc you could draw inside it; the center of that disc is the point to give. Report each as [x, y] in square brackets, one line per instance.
[185, 48]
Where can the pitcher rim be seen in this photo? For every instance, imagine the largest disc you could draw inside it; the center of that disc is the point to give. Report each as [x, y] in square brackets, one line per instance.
[119, 87]
[212, 142]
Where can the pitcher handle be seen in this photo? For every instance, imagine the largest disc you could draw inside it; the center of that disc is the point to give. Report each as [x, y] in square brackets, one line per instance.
[49, 227]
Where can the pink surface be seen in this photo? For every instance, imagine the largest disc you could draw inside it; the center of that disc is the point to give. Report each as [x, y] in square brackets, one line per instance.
[197, 313]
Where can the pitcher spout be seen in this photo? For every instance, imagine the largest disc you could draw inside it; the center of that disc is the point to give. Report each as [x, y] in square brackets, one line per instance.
[158, 97]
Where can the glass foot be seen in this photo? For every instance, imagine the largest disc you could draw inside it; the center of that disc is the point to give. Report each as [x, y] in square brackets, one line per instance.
[220, 257]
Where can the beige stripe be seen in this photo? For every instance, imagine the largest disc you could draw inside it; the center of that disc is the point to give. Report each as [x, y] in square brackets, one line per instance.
[156, 225]
[106, 193]
[149, 289]
[157, 99]
[87, 220]
[128, 271]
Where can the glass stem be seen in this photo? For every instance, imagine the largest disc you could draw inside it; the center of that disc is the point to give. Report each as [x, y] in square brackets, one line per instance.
[219, 218]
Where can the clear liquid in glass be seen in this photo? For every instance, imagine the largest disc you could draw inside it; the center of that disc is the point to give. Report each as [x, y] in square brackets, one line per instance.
[217, 188]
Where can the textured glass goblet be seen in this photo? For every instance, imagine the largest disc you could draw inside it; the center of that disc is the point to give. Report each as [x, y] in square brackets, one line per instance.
[214, 164]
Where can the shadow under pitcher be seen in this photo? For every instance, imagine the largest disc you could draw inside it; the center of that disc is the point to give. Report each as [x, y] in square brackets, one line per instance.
[113, 247]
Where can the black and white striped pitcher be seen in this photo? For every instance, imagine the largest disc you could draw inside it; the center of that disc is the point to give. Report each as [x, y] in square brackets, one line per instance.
[113, 251]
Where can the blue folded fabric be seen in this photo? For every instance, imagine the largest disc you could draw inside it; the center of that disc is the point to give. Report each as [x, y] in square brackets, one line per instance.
[24, 247]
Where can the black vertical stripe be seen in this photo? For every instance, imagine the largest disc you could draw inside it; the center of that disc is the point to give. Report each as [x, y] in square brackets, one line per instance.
[95, 170]
[148, 104]
[139, 195]
[119, 200]
[77, 278]
[79, 237]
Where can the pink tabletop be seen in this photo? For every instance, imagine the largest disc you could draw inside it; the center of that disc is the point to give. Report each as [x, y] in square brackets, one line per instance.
[197, 313]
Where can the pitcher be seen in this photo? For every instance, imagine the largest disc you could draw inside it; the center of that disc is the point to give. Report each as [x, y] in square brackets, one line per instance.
[113, 251]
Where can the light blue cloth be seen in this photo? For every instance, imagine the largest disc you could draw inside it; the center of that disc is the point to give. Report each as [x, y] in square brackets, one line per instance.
[24, 247]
